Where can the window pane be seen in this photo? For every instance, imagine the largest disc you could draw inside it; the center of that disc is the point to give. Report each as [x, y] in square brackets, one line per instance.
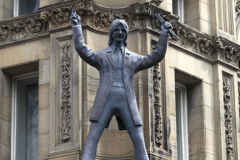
[179, 126]
[32, 122]
[28, 6]
[27, 119]
[175, 6]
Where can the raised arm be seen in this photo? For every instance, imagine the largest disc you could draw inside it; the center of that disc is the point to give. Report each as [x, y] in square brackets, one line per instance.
[88, 55]
[149, 60]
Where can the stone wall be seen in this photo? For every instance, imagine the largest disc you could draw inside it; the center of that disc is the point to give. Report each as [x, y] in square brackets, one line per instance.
[204, 59]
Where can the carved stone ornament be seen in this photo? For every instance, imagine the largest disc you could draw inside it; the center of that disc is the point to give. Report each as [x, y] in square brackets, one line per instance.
[138, 16]
[157, 106]
[65, 106]
[237, 10]
[228, 119]
[211, 48]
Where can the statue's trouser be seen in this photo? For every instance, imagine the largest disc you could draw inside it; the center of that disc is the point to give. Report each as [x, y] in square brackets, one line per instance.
[116, 104]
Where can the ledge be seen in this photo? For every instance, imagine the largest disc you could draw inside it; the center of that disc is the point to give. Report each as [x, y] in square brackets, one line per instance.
[97, 18]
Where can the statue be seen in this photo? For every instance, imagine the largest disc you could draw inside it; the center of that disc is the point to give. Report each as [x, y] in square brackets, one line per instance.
[115, 96]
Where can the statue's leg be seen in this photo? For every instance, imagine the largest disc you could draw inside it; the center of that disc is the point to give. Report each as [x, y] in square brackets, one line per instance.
[96, 130]
[135, 133]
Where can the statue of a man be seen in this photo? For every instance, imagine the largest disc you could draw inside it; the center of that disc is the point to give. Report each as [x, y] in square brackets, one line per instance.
[115, 96]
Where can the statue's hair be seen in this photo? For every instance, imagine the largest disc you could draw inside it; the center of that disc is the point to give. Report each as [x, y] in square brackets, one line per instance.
[113, 26]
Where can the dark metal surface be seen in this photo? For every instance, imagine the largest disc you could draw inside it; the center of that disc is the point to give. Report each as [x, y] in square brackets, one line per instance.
[115, 96]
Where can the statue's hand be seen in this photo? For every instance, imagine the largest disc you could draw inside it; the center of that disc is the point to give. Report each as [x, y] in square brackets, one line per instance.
[165, 27]
[74, 17]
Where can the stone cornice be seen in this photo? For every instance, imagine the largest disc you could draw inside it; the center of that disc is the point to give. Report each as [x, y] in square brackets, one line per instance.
[98, 18]
[215, 49]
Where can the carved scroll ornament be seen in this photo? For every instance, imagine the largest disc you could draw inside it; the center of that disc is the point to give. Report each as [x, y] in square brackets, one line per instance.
[228, 119]
[237, 10]
[157, 106]
[212, 48]
[65, 107]
[137, 16]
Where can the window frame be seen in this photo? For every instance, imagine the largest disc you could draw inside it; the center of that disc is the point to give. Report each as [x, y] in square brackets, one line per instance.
[16, 8]
[184, 120]
[180, 10]
[15, 80]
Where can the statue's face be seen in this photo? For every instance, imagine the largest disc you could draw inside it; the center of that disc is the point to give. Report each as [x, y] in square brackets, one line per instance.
[119, 34]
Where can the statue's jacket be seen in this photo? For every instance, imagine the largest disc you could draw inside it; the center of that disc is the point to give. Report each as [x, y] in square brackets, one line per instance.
[102, 60]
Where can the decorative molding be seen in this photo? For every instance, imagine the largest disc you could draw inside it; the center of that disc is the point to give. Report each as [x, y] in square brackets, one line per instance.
[237, 10]
[21, 29]
[56, 17]
[157, 106]
[138, 16]
[98, 18]
[228, 119]
[65, 107]
[209, 47]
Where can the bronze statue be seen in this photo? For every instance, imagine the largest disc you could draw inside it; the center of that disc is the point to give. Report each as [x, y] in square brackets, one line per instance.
[115, 96]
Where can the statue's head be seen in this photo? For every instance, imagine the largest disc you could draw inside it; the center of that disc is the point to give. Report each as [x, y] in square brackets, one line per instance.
[114, 26]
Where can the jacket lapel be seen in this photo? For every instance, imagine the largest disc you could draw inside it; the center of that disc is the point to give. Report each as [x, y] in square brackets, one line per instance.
[110, 56]
[126, 57]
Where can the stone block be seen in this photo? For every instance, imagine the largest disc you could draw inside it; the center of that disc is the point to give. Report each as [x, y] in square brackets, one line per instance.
[43, 120]
[27, 52]
[5, 133]
[5, 152]
[197, 136]
[5, 84]
[210, 142]
[196, 148]
[188, 2]
[172, 103]
[187, 63]
[195, 119]
[204, 11]
[209, 118]
[203, 156]
[47, 2]
[5, 108]
[5, 13]
[205, 26]
[44, 71]
[87, 110]
[202, 141]
[68, 157]
[208, 94]
[195, 24]
[44, 96]
[43, 145]
[192, 12]
[204, 138]
[96, 41]
[172, 79]
[8, 4]
[115, 143]
[195, 96]
[118, 3]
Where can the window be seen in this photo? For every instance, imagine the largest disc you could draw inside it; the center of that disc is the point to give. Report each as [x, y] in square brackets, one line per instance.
[22, 7]
[178, 9]
[182, 123]
[24, 135]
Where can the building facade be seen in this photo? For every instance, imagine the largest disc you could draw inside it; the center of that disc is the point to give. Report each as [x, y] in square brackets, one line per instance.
[189, 102]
